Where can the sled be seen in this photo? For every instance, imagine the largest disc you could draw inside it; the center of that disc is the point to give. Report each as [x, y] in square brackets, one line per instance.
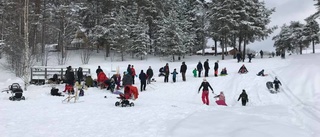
[221, 102]
[270, 87]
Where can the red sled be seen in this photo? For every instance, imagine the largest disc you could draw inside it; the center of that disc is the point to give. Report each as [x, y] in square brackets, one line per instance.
[221, 102]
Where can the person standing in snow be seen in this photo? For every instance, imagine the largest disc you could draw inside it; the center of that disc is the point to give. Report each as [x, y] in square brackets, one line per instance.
[261, 53]
[149, 74]
[98, 70]
[244, 98]
[205, 91]
[166, 73]
[216, 66]
[199, 68]
[133, 73]
[276, 83]
[143, 80]
[174, 75]
[206, 68]
[183, 70]
[194, 72]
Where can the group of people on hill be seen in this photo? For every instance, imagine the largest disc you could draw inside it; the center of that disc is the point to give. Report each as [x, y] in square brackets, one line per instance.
[206, 68]
[71, 78]
[205, 85]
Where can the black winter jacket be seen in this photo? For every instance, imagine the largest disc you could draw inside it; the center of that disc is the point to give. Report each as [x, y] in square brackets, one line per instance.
[205, 86]
[183, 68]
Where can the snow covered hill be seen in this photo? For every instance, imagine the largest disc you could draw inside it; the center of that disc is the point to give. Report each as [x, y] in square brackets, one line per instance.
[175, 109]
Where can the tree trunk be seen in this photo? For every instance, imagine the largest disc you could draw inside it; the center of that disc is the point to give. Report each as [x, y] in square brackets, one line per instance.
[240, 41]
[313, 49]
[244, 50]
[26, 74]
[215, 47]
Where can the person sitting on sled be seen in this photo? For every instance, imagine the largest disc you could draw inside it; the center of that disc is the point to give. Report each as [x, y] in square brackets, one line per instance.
[261, 73]
[223, 72]
[243, 69]
[220, 96]
[276, 83]
[221, 99]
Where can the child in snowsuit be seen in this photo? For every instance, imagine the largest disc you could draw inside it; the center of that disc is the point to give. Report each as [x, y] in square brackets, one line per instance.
[194, 72]
[244, 98]
[205, 91]
[276, 83]
[261, 73]
[174, 75]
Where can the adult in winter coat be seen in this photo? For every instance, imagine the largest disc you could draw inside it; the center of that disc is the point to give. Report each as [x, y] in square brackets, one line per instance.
[216, 66]
[276, 83]
[133, 73]
[183, 70]
[206, 68]
[70, 76]
[80, 74]
[166, 73]
[250, 57]
[129, 69]
[238, 56]
[127, 79]
[261, 53]
[174, 75]
[98, 70]
[143, 80]
[199, 68]
[149, 74]
[205, 91]
[244, 98]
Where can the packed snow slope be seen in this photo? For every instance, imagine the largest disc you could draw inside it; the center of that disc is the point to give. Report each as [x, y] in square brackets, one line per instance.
[175, 109]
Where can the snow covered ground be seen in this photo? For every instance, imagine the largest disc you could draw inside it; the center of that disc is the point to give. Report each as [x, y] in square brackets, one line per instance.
[176, 109]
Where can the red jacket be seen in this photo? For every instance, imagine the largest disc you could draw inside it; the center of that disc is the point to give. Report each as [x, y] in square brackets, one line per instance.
[133, 72]
[102, 77]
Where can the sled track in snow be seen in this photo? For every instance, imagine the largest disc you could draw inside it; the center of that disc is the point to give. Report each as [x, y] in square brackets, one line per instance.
[293, 98]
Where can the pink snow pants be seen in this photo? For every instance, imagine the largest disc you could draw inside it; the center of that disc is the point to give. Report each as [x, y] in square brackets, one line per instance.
[205, 97]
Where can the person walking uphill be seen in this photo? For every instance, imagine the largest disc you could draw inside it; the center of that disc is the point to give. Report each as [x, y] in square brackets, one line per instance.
[166, 73]
[205, 91]
[206, 68]
[183, 70]
[244, 98]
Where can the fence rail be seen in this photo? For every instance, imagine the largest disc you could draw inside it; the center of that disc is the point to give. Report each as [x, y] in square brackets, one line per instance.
[39, 75]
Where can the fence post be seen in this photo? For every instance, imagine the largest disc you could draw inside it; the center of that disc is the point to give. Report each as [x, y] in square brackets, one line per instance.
[31, 75]
[61, 75]
[45, 73]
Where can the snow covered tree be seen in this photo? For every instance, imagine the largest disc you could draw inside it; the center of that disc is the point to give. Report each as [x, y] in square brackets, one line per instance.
[282, 41]
[312, 31]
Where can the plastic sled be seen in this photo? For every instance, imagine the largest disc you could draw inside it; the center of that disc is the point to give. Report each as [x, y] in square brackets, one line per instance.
[221, 102]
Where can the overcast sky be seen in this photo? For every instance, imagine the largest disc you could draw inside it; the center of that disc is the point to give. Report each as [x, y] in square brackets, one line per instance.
[286, 11]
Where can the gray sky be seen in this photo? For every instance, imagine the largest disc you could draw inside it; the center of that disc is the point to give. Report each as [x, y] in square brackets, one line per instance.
[286, 11]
